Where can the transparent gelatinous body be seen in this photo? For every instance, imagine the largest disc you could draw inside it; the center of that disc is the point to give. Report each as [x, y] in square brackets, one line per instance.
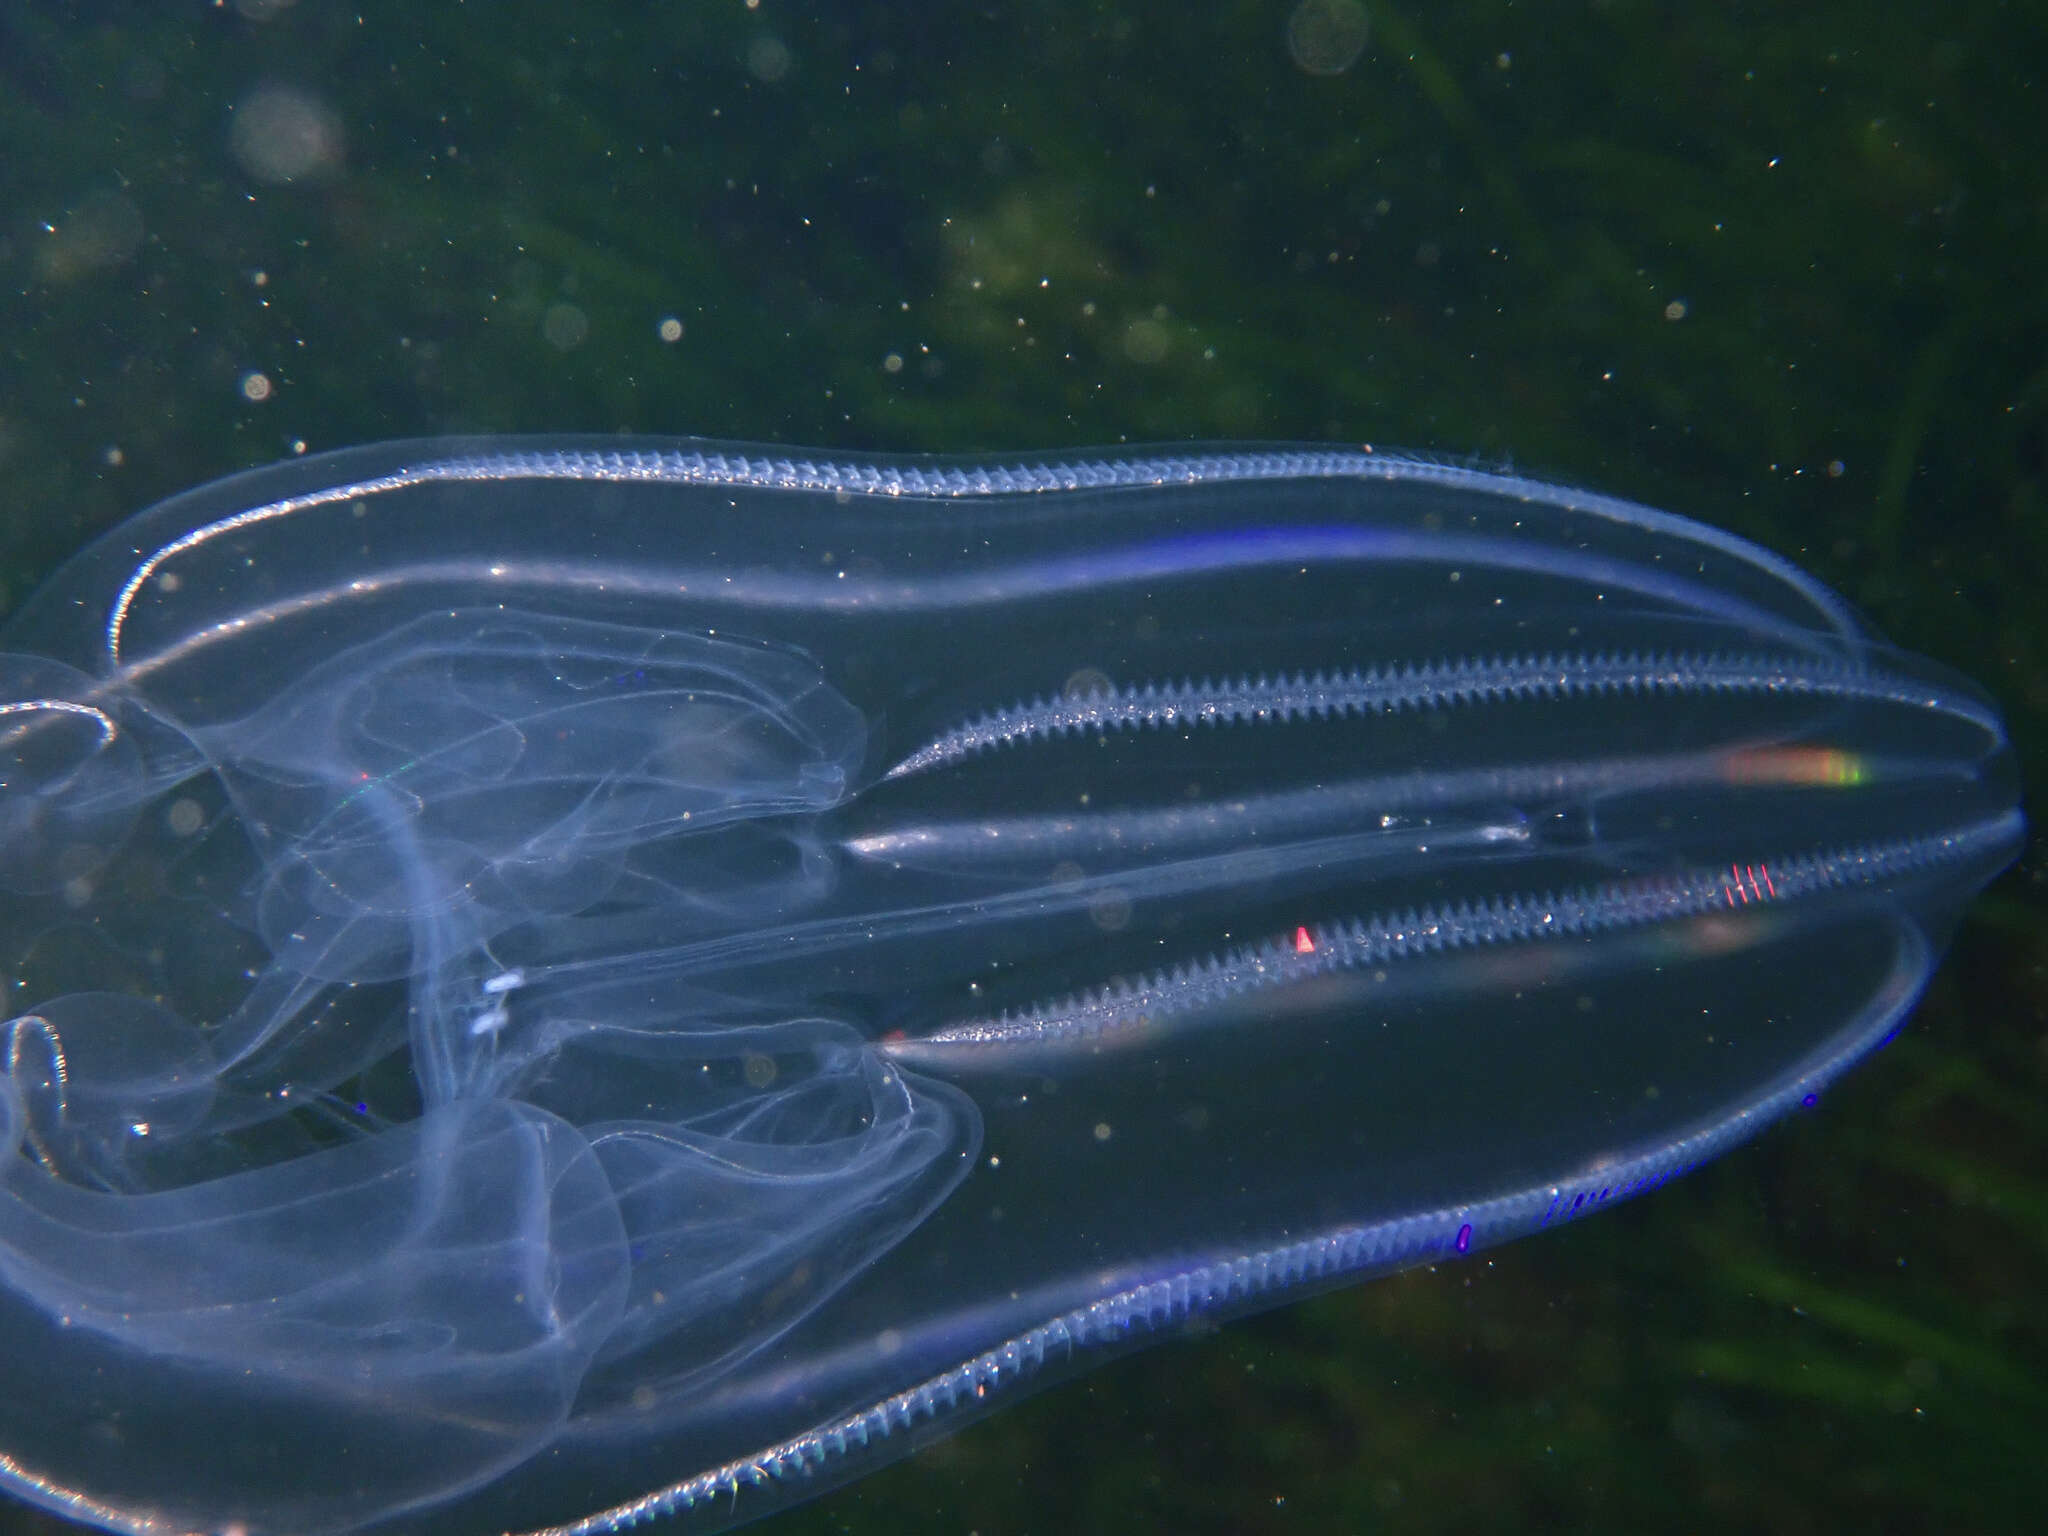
[548, 983]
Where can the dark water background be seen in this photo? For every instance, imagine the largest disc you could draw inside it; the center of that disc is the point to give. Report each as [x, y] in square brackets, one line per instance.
[1781, 268]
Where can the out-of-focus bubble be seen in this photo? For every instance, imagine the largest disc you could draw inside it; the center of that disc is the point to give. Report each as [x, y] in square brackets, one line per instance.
[103, 231]
[256, 386]
[1147, 341]
[669, 329]
[1325, 37]
[283, 134]
[1087, 683]
[767, 58]
[565, 326]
